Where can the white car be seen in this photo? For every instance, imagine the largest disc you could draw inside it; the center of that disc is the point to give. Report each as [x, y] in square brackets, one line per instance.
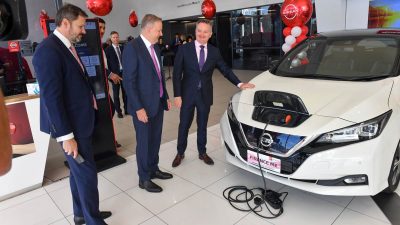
[326, 118]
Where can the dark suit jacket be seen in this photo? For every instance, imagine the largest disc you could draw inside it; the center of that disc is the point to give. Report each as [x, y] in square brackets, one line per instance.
[187, 74]
[112, 59]
[66, 99]
[141, 81]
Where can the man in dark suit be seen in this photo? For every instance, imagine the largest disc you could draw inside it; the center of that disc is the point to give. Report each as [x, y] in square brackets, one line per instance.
[193, 89]
[114, 61]
[67, 109]
[147, 99]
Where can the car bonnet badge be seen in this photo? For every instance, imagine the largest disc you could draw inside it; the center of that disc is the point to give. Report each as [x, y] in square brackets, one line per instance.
[266, 140]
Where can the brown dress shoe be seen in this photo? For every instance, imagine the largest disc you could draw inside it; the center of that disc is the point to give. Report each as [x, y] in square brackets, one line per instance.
[206, 159]
[178, 159]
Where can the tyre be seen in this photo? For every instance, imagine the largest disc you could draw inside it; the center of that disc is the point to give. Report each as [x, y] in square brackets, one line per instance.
[394, 175]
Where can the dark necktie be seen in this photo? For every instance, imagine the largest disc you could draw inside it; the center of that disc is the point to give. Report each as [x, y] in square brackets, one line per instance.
[119, 56]
[202, 57]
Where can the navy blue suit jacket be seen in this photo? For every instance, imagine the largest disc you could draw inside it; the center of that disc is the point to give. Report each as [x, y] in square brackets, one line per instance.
[112, 59]
[187, 73]
[66, 99]
[141, 82]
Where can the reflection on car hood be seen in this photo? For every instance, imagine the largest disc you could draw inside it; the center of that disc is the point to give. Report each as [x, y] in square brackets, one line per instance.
[352, 101]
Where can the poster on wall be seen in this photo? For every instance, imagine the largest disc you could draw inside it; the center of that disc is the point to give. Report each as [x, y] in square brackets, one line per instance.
[384, 13]
[20, 130]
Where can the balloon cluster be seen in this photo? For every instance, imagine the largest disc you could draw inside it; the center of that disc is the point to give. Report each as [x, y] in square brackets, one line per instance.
[295, 14]
[208, 9]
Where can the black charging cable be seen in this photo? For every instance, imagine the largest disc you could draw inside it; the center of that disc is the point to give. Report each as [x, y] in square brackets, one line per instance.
[261, 197]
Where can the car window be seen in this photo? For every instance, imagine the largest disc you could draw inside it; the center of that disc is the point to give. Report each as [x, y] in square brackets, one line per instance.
[346, 59]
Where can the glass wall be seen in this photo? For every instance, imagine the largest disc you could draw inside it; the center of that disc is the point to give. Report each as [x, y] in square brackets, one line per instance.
[256, 37]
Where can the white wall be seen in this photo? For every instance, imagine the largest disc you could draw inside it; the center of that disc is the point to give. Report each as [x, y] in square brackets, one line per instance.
[341, 14]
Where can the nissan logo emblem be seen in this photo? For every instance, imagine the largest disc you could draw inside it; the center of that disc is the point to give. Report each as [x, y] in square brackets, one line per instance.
[266, 140]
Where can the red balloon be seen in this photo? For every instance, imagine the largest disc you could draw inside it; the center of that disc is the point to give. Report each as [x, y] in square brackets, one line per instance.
[99, 7]
[296, 12]
[208, 9]
[304, 30]
[304, 61]
[301, 38]
[133, 20]
[287, 31]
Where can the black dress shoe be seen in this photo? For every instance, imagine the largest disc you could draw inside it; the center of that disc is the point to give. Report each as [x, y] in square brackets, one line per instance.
[120, 115]
[161, 175]
[149, 186]
[78, 220]
[178, 159]
[206, 159]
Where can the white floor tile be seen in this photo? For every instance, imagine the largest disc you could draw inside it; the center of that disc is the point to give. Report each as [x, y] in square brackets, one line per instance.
[339, 200]
[202, 174]
[21, 198]
[153, 221]
[367, 206]
[167, 155]
[62, 197]
[253, 219]
[241, 177]
[352, 217]
[40, 210]
[174, 191]
[125, 210]
[200, 209]
[61, 222]
[302, 208]
[57, 185]
[218, 154]
[123, 176]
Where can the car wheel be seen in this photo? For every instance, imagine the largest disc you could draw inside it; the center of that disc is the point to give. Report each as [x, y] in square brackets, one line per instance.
[394, 175]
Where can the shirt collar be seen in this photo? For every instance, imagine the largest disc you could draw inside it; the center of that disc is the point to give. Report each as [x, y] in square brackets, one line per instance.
[197, 44]
[146, 42]
[63, 39]
[115, 45]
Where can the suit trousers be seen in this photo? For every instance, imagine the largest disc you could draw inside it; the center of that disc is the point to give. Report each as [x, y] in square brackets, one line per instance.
[186, 119]
[83, 183]
[148, 138]
[116, 88]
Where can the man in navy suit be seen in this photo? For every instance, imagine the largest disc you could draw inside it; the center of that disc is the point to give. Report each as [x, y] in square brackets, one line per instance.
[114, 61]
[193, 89]
[67, 109]
[147, 99]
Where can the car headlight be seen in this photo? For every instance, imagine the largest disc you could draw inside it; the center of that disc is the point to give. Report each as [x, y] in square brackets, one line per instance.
[230, 112]
[360, 132]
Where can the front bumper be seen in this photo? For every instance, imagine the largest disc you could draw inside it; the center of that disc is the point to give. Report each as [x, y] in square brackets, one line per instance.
[359, 158]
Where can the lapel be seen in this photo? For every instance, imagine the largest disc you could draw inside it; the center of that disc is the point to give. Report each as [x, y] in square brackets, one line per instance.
[194, 59]
[147, 55]
[208, 56]
[68, 53]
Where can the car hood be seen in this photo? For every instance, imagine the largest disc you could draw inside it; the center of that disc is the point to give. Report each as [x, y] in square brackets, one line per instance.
[355, 101]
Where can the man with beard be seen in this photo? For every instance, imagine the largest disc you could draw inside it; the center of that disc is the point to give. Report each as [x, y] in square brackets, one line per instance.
[67, 109]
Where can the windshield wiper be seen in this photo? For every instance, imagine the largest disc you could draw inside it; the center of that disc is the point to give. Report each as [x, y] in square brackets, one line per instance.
[370, 78]
[316, 76]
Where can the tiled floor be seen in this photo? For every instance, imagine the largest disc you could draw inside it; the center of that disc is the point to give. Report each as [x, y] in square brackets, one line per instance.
[193, 196]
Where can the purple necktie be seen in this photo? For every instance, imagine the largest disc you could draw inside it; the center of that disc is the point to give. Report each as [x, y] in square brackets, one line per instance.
[202, 57]
[153, 56]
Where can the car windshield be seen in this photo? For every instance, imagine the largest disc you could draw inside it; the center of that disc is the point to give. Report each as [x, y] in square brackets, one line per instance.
[365, 58]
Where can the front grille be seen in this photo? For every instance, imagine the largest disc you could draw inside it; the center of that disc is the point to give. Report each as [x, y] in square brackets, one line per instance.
[288, 164]
[282, 143]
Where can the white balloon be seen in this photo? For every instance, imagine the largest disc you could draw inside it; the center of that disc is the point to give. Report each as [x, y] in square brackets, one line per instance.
[295, 63]
[296, 31]
[286, 47]
[290, 40]
[302, 55]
